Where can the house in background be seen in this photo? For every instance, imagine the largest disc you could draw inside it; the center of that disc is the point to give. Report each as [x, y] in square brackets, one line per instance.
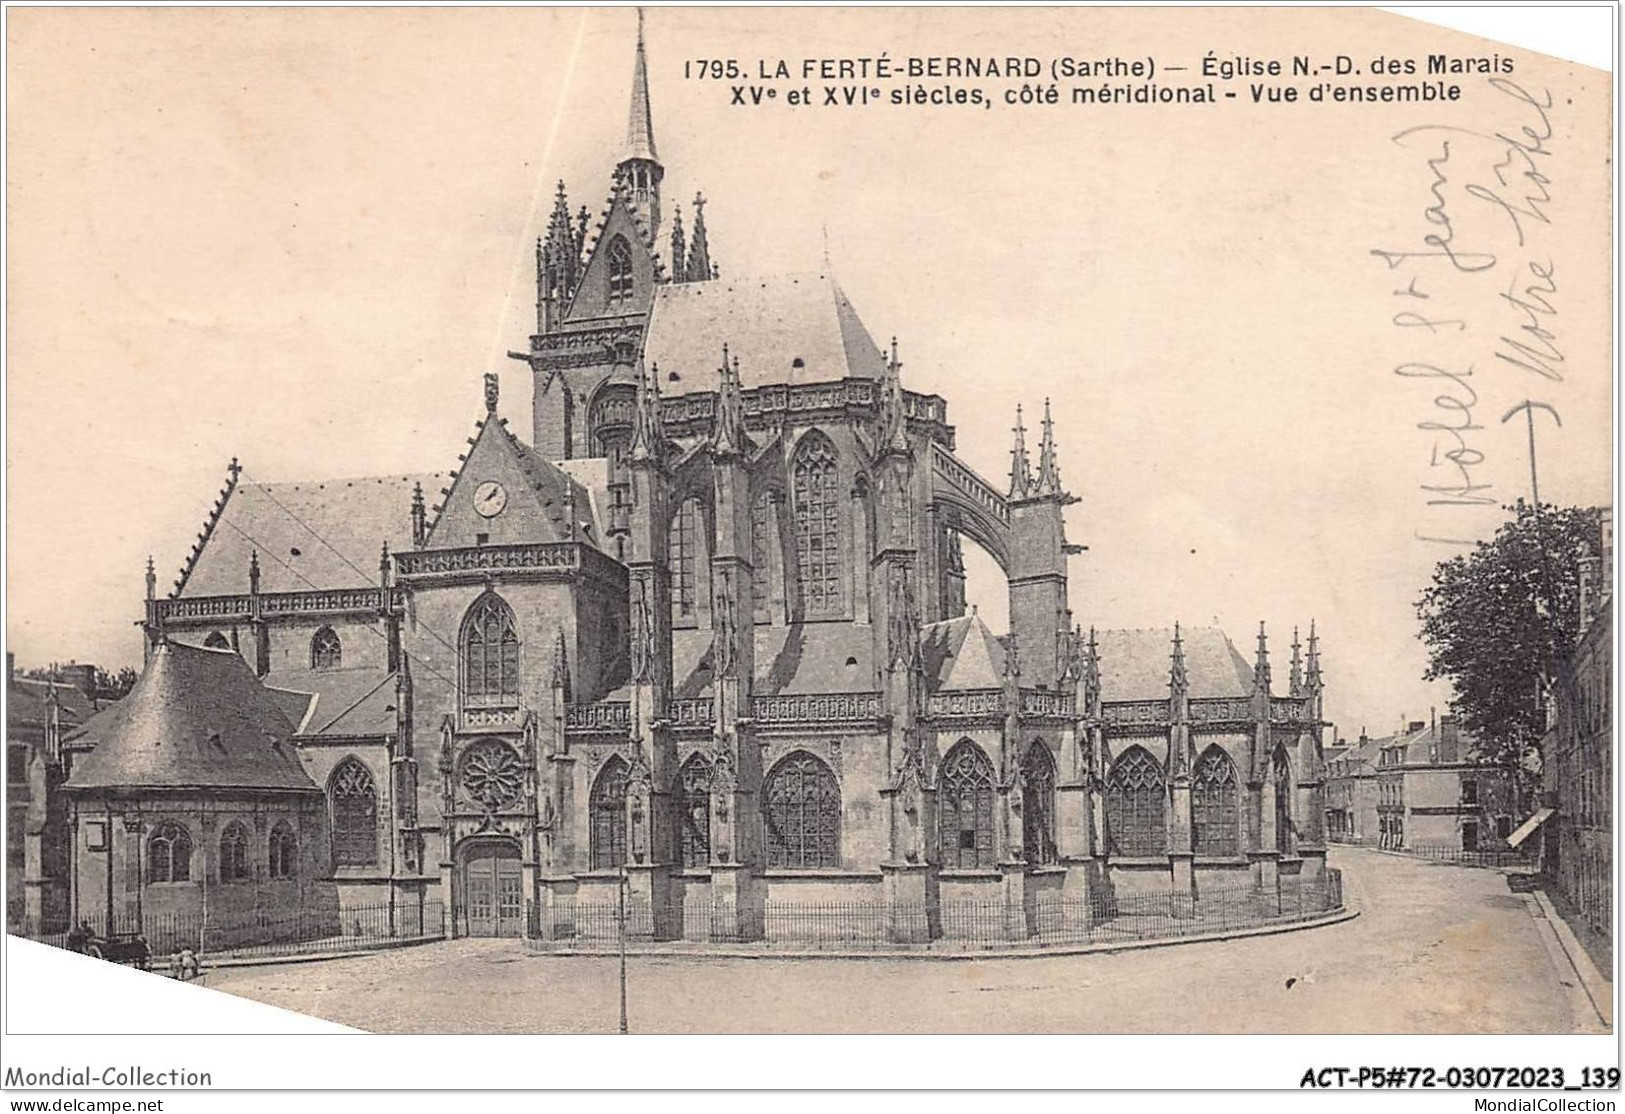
[1435, 796]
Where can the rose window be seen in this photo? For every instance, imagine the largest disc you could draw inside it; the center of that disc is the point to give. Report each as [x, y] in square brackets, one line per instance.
[492, 774]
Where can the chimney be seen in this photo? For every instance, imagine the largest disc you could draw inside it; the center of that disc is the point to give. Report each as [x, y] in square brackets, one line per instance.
[1415, 725]
[1449, 739]
[81, 677]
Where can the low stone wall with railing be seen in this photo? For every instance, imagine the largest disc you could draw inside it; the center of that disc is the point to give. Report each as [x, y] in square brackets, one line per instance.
[1046, 920]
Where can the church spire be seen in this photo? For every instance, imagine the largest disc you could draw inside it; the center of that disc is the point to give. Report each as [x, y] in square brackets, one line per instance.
[679, 250]
[1261, 663]
[1313, 683]
[699, 248]
[1178, 680]
[640, 165]
[1295, 676]
[1049, 468]
[1021, 475]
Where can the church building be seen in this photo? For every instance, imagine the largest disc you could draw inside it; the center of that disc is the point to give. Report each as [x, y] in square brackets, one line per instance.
[702, 633]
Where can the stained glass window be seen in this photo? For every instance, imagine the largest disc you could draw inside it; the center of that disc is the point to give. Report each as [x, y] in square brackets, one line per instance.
[818, 527]
[965, 808]
[492, 774]
[607, 808]
[1135, 820]
[1283, 802]
[234, 853]
[681, 557]
[169, 854]
[325, 651]
[620, 269]
[802, 806]
[696, 816]
[761, 538]
[490, 653]
[1214, 797]
[355, 814]
[1038, 805]
[284, 851]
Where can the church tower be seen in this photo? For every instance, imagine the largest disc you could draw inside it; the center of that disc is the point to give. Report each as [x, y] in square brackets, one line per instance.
[640, 166]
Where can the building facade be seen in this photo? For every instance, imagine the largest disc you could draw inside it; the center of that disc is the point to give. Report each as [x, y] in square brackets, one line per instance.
[1577, 756]
[704, 635]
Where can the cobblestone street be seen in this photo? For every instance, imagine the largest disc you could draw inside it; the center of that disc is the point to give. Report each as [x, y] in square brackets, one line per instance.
[1436, 949]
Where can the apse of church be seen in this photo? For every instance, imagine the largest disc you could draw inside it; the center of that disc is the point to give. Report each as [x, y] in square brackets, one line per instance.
[704, 636]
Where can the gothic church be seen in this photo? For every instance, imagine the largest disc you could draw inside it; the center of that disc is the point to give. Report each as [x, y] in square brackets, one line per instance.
[703, 635]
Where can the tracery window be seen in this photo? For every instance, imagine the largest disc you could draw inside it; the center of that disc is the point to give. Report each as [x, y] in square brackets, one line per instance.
[169, 854]
[818, 527]
[325, 651]
[681, 558]
[1214, 804]
[1136, 823]
[620, 269]
[696, 816]
[234, 853]
[354, 801]
[801, 801]
[490, 653]
[965, 808]
[761, 537]
[284, 857]
[607, 809]
[1038, 805]
[492, 774]
[1283, 802]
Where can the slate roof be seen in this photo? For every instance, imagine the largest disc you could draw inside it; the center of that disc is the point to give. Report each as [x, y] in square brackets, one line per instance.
[196, 718]
[767, 323]
[1134, 664]
[962, 653]
[25, 704]
[338, 702]
[297, 527]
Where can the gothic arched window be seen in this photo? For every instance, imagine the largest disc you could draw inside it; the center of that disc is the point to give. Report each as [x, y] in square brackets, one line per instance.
[965, 808]
[1282, 772]
[1038, 805]
[761, 541]
[216, 641]
[490, 653]
[1214, 805]
[284, 851]
[684, 540]
[1136, 823]
[325, 651]
[801, 802]
[620, 269]
[817, 513]
[169, 854]
[607, 808]
[234, 853]
[696, 817]
[354, 801]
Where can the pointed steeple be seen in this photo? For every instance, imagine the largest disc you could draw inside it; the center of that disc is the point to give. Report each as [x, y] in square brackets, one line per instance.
[1313, 683]
[699, 248]
[1049, 469]
[420, 518]
[893, 426]
[1091, 676]
[728, 428]
[1261, 663]
[152, 579]
[640, 165]
[1178, 681]
[679, 250]
[1295, 675]
[648, 432]
[1021, 475]
[558, 263]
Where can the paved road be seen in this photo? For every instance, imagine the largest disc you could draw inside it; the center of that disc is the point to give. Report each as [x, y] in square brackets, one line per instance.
[1437, 949]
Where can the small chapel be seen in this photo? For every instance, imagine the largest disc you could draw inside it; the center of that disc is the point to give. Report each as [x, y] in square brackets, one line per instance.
[695, 634]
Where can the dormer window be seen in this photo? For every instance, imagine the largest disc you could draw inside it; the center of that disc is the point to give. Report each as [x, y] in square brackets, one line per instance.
[620, 270]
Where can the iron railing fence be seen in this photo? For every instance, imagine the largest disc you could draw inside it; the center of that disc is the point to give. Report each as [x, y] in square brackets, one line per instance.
[271, 932]
[1044, 919]
[1493, 857]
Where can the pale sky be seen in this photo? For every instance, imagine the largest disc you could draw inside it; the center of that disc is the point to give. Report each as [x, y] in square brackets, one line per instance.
[300, 237]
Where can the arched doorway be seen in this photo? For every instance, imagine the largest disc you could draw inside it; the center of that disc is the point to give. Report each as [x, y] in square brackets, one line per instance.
[493, 889]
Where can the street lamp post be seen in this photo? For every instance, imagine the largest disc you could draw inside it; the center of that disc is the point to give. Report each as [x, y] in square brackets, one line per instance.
[620, 901]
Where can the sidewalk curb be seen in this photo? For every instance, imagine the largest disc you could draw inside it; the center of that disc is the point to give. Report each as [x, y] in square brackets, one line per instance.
[1598, 989]
[711, 951]
[159, 966]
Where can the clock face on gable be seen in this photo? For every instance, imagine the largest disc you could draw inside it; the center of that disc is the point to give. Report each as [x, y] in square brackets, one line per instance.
[489, 498]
